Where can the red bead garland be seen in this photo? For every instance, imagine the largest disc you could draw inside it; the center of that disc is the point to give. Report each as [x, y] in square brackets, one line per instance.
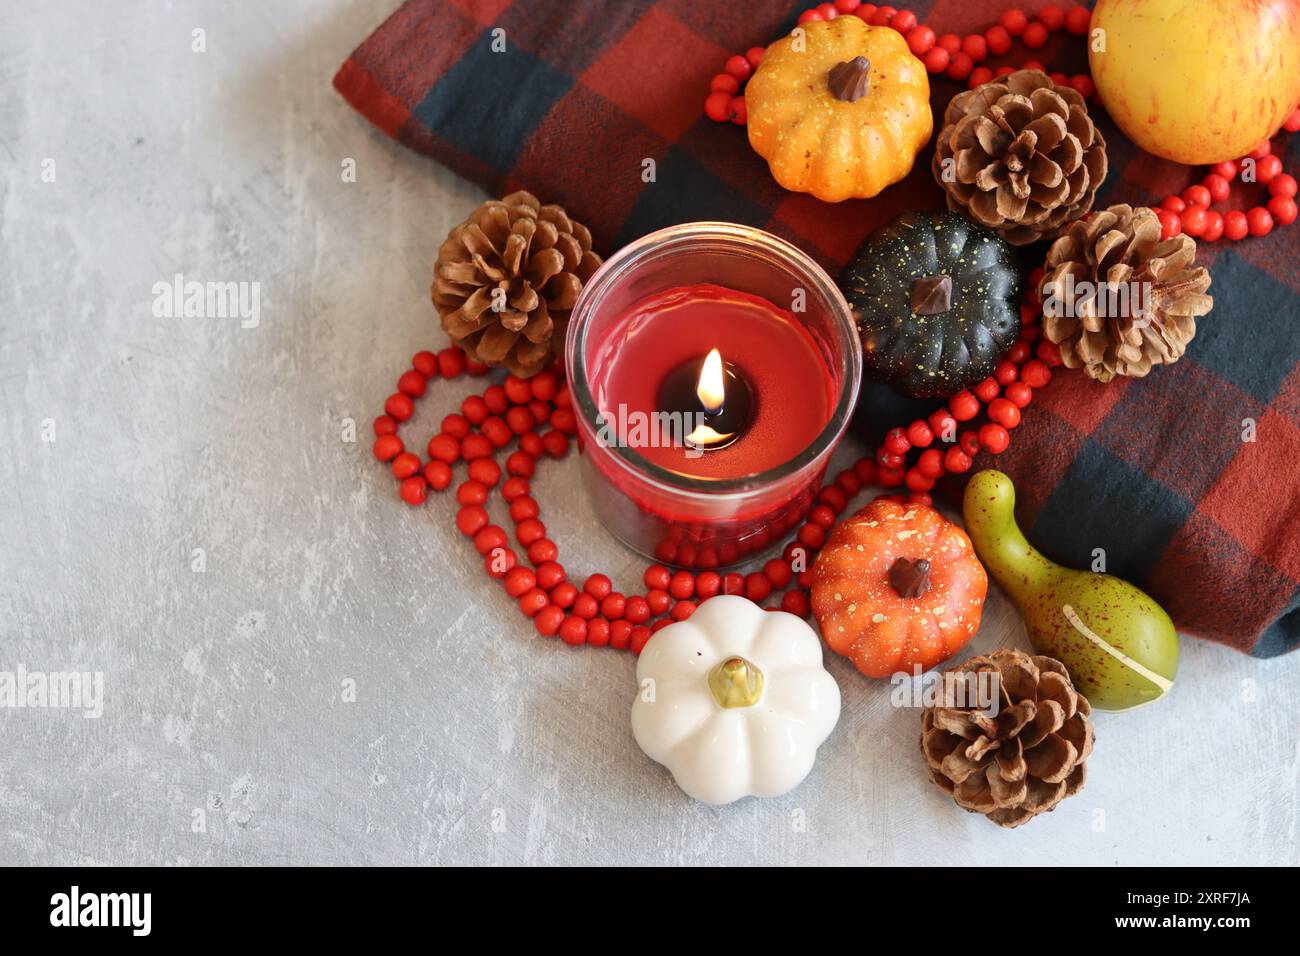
[958, 57]
[954, 55]
[598, 615]
[1190, 213]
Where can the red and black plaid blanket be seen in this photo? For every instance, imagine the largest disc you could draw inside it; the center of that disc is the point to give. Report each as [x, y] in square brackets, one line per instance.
[568, 99]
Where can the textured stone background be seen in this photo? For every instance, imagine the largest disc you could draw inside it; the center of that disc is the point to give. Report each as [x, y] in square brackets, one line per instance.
[224, 688]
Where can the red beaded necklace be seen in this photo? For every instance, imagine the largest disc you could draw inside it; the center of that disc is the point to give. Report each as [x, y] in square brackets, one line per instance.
[957, 57]
[518, 409]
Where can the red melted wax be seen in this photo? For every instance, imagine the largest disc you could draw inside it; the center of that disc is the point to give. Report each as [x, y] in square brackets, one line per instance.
[791, 384]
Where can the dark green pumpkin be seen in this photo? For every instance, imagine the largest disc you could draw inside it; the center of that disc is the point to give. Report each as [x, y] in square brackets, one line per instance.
[937, 302]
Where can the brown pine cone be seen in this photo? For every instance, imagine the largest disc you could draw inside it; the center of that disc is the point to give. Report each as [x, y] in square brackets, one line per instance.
[1021, 762]
[506, 279]
[1020, 155]
[1117, 299]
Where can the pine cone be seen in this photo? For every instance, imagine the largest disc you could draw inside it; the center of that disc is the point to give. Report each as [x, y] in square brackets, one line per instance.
[536, 256]
[1021, 155]
[1025, 760]
[1117, 299]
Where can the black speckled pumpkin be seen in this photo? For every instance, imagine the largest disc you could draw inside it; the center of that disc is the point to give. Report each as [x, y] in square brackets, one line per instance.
[937, 302]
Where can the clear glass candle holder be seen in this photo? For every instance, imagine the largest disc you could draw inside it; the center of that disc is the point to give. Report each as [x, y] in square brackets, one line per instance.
[679, 519]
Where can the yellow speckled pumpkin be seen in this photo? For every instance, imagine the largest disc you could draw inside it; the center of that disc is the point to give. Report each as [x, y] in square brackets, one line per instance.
[839, 110]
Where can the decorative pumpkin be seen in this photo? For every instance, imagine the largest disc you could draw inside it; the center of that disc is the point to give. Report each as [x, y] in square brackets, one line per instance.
[896, 587]
[839, 109]
[734, 700]
[937, 302]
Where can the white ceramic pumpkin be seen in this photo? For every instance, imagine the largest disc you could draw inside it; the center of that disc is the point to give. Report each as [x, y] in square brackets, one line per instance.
[734, 701]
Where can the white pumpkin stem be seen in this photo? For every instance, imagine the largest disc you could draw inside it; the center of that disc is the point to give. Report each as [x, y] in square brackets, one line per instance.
[735, 682]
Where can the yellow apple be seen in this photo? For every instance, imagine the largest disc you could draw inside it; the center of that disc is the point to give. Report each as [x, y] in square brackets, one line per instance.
[1197, 81]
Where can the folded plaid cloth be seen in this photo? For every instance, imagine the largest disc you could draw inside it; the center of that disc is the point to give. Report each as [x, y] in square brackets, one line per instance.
[567, 100]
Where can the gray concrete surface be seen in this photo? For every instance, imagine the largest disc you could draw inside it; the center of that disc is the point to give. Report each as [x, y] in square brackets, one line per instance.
[198, 530]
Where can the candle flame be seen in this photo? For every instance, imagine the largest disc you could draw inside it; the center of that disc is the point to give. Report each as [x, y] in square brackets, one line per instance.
[711, 389]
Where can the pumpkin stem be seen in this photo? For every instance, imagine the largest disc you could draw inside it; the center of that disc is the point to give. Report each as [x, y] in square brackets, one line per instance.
[848, 81]
[932, 295]
[910, 579]
[735, 682]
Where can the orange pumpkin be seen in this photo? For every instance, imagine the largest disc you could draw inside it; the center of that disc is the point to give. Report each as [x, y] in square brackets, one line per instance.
[898, 586]
[839, 109]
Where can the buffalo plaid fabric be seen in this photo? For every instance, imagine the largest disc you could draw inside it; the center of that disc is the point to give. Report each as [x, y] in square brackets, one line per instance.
[1185, 478]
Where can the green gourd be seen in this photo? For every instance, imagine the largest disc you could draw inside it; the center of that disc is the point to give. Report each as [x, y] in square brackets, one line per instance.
[1118, 644]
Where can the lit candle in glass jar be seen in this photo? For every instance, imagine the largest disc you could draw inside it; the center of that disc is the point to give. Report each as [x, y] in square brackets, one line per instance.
[707, 410]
